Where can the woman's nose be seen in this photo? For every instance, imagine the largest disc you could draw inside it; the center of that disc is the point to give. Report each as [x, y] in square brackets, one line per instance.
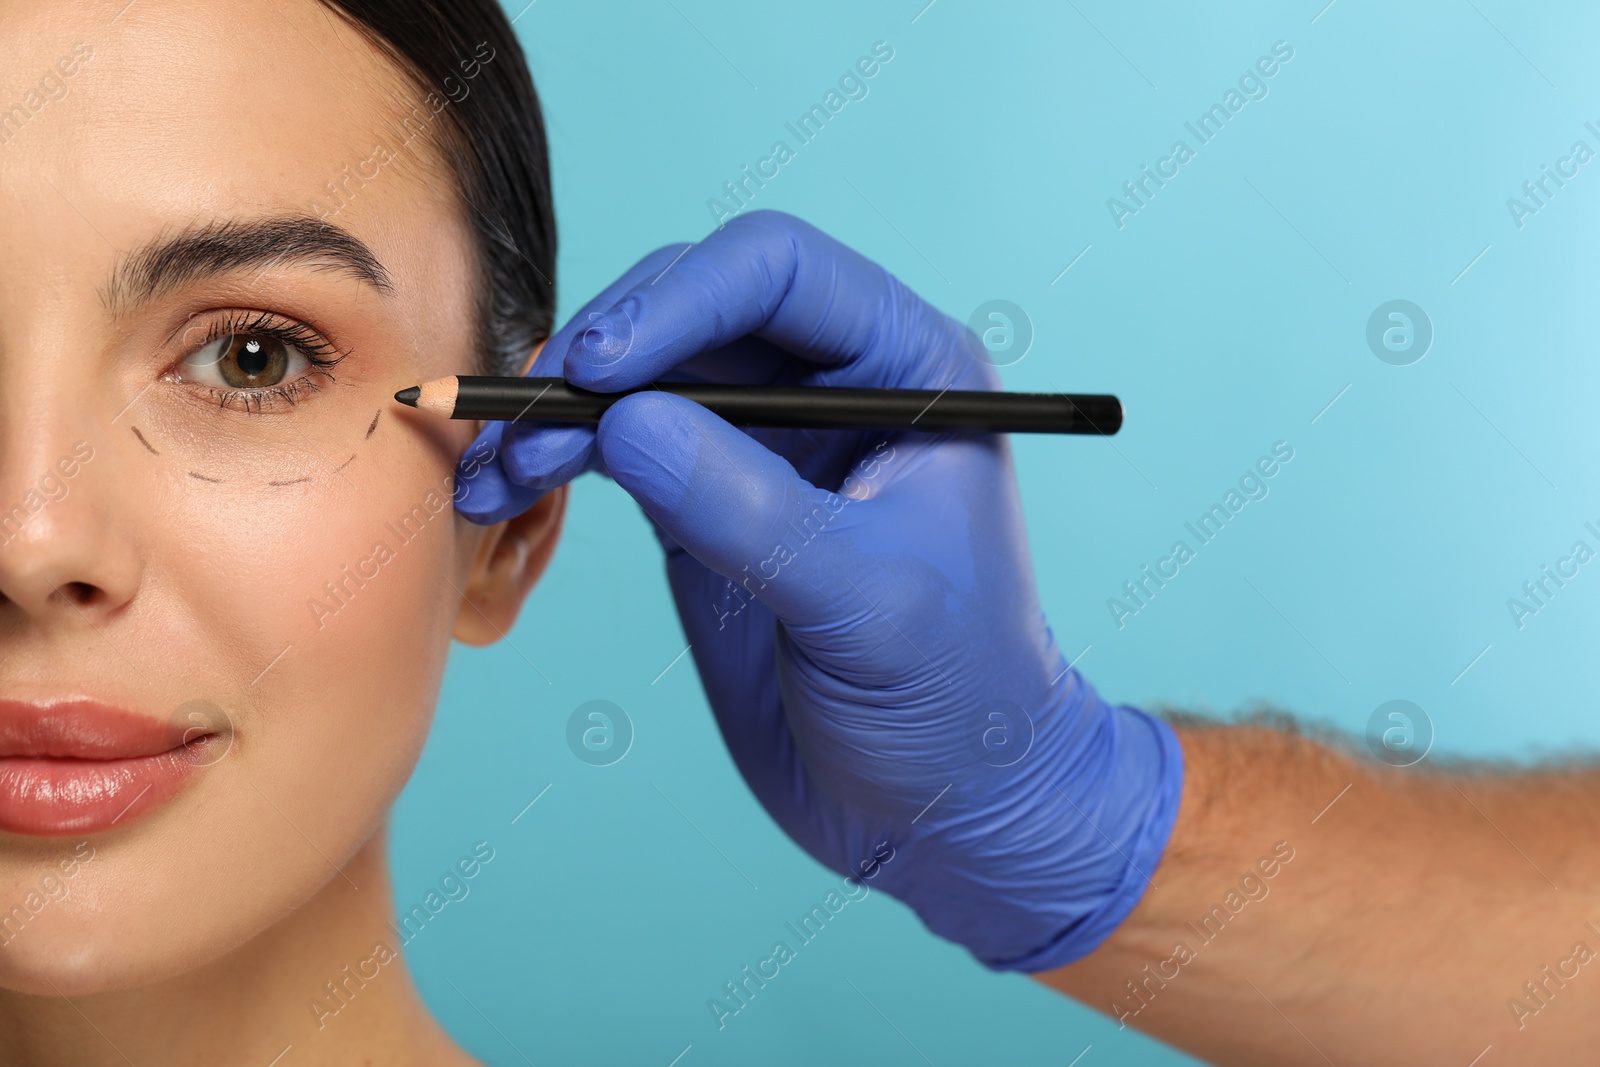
[64, 561]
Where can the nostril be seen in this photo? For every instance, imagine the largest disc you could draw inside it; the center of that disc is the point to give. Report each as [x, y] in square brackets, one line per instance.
[80, 593]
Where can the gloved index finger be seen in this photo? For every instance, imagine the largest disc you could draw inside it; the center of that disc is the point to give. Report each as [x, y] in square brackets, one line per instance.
[510, 465]
[785, 282]
[551, 355]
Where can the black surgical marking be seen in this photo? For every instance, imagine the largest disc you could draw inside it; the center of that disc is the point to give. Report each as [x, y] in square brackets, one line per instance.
[203, 478]
[142, 441]
[345, 464]
[374, 425]
[293, 481]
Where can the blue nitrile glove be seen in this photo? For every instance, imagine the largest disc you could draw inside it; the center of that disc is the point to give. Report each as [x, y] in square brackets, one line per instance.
[861, 605]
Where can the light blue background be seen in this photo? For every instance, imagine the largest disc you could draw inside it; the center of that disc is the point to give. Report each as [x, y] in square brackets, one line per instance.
[1227, 313]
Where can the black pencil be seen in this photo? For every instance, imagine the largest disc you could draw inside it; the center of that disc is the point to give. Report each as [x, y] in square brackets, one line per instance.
[818, 407]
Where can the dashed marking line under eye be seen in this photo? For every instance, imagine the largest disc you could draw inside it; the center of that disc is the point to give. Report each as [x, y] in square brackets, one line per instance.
[374, 425]
[203, 478]
[142, 441]
[345, 464]
[292, 481]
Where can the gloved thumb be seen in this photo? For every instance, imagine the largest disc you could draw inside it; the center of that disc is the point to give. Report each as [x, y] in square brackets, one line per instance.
[738, 508]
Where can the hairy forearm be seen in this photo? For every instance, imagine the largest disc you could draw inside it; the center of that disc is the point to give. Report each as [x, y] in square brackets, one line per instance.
[1315, 908]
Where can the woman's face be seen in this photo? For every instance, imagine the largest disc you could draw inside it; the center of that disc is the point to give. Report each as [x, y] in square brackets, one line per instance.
[218, 261]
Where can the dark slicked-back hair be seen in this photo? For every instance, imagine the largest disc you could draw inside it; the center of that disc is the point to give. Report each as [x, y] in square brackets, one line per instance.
[491, 135]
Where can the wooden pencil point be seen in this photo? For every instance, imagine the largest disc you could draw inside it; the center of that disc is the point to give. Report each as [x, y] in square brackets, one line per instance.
[438, 397]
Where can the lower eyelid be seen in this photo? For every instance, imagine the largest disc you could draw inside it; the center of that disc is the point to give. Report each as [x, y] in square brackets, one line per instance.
[274, 399]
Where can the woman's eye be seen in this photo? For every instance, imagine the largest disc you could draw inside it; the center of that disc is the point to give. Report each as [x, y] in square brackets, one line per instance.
[245, 361]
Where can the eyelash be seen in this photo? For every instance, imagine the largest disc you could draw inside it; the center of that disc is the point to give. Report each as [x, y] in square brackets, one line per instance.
[321, 353]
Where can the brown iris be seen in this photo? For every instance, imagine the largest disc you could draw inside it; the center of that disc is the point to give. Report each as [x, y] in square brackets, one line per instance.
[252, 361]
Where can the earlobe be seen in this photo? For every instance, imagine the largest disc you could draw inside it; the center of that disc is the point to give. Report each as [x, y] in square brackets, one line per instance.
[510, 561]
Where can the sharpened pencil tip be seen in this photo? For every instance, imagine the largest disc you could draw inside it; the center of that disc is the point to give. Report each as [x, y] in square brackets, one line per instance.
[408, 397]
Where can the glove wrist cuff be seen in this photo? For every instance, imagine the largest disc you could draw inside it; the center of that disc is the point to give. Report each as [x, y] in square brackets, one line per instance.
[1148, 765]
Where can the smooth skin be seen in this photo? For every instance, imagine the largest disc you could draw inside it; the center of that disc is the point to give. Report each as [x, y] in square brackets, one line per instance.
[174, 569]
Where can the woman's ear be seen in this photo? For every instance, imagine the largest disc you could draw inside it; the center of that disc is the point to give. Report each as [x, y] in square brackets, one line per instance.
[510, 561]
[512, 557]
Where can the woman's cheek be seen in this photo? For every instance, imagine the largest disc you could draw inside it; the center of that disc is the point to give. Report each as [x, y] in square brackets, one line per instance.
[325, 651]
[337, 591]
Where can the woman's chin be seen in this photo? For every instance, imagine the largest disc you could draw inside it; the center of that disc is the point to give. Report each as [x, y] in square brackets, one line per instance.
[58, 956]
[128, 921]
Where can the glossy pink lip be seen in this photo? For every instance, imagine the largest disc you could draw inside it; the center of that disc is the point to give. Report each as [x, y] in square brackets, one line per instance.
[80, 767]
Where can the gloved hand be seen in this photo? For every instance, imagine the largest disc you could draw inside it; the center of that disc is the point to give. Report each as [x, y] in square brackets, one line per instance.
[861, 605]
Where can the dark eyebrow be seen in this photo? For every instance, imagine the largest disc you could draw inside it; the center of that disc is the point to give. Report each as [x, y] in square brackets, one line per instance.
[229, 245]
